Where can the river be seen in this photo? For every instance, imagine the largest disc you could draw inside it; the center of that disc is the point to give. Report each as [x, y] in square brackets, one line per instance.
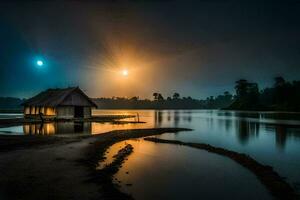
[272, 138]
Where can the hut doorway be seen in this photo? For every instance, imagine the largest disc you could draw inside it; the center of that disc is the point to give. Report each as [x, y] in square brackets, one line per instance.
[78, 127]
[78, 111]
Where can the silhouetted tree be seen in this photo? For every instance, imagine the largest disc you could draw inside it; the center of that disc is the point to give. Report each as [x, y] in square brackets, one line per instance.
[155, 95]
[176, 96]
[280, 90]
[160, 97]
[279, 81]
[253, 93]
[134, 98]
[247, 95]
[241, 88]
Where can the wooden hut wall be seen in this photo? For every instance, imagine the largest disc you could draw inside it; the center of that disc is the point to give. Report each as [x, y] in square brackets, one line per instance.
[87, 112]
[49, 111]
[65, 112]
[27, 110]
[32, 110]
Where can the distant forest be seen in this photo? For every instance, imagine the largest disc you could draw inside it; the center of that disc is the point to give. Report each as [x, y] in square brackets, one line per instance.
[10, 104]
[159, 102]
[283, 95]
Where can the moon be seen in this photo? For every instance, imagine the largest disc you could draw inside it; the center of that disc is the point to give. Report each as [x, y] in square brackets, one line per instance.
[40, 63]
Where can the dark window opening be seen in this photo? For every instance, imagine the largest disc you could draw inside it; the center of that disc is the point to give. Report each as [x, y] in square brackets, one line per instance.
[78, 112]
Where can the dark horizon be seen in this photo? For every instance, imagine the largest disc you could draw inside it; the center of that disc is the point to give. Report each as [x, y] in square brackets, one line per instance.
[196, 48]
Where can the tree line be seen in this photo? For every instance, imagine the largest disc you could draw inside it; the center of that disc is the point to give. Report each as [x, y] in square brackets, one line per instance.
[160, 102]
[10, 104]
[283, 95]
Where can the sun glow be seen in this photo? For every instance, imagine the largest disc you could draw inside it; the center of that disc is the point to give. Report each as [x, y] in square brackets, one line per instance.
[125, 72]
[123, 68]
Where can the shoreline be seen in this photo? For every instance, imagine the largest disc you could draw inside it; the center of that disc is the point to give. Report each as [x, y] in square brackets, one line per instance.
[4, 123]
[222, 109]
[275, 184]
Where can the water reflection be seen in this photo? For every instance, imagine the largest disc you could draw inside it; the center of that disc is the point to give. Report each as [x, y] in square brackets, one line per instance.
[171, 118]
[154, 172]
[158, 117]
[283, 133]
[57, 128]
[281, 136]
[228, 125]
[189, 116]
[176, 118]
[246, 129]
[242, 125]
[260, 115]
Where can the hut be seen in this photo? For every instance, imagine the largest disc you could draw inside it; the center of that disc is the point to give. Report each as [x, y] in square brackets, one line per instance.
[66, 103]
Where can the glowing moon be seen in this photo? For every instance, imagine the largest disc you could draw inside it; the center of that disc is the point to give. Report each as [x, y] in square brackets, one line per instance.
[40, 63]
[125, 72]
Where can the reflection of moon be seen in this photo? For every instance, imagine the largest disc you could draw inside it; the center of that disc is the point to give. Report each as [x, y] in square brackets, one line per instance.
[125, 72]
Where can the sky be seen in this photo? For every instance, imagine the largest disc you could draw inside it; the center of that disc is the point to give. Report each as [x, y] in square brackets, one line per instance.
[196, 48]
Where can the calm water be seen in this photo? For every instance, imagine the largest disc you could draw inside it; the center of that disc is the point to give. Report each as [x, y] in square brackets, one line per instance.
[191, 174]
[10, 115]
[272, 138]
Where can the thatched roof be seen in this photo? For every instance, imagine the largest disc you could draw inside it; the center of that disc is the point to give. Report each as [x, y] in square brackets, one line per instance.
[59, 97]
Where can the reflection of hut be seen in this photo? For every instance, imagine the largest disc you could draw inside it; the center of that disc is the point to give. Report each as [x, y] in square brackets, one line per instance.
[39, 129]
[57, 128]
[60, 103]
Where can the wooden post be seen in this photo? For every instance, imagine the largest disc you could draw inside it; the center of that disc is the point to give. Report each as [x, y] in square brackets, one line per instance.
[41, 116]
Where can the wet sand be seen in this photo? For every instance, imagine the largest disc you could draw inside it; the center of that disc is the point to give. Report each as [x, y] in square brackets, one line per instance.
[39, 167]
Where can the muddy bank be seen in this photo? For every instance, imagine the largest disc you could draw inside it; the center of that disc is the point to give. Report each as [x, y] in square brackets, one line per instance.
[276, 184]
[46, 169]
[15, 142]
[39, 167]
[104, 176]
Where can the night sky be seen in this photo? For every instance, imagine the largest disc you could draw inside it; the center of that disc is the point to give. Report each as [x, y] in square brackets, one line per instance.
[197, 48]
